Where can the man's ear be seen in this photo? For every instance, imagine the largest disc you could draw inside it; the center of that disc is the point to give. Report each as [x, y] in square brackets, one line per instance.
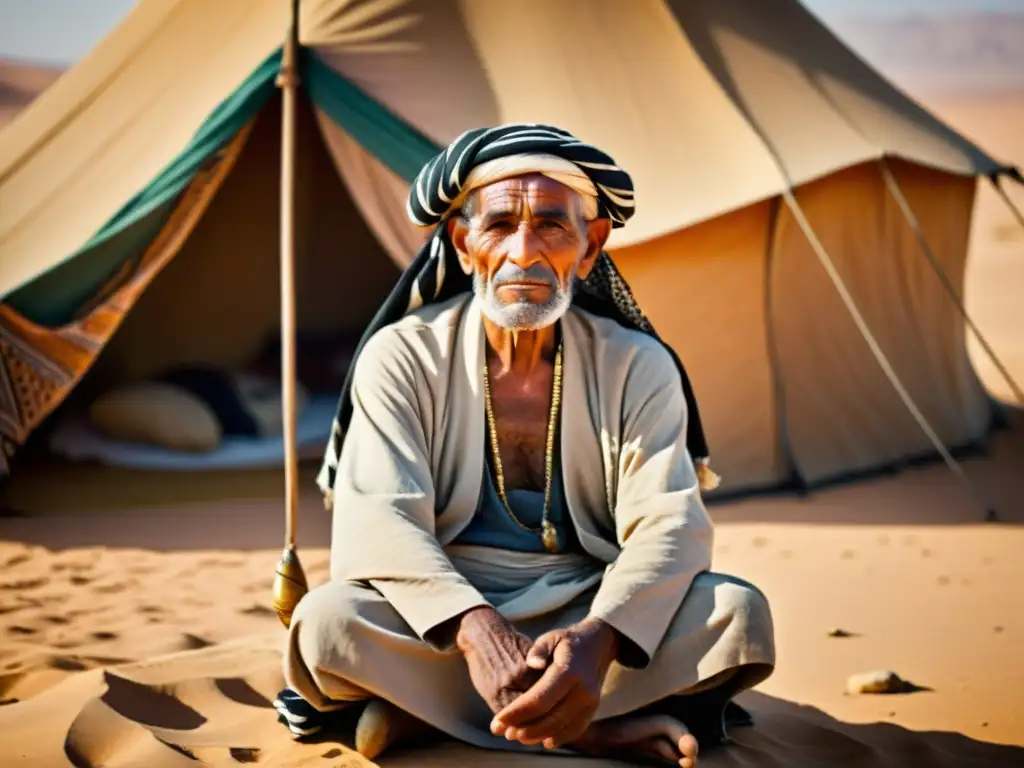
[458, 231]
[598, 231]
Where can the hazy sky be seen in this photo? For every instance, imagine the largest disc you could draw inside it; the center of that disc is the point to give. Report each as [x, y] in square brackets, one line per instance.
[61, 31]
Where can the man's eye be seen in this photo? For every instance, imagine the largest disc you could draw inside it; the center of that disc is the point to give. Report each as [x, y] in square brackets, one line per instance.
[551, 224]
[496, 226]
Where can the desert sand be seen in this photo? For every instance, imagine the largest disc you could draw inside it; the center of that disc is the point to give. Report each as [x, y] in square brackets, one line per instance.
[141, 634]
[135, 627]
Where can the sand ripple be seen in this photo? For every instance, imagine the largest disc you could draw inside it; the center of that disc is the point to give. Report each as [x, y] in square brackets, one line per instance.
[210, 707]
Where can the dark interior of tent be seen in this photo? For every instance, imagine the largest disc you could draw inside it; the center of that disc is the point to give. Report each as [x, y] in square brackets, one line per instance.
[215, 309]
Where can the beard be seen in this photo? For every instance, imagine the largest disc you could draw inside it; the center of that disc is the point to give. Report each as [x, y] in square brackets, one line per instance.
[522, 314]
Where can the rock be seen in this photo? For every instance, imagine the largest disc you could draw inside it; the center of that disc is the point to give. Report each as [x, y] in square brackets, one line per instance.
[837, 632]
[877, 681]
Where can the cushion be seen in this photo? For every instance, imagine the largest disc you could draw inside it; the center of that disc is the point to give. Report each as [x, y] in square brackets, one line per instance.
[157, 413]
[193, 409]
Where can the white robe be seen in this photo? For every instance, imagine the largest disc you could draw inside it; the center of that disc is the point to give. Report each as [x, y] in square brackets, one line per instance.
[408, 483]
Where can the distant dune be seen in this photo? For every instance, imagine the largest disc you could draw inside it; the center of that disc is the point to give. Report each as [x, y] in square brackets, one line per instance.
[20, 83]
[963, 51]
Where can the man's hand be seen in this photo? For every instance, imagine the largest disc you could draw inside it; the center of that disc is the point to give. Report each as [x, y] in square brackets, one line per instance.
[558, 708]
[495, 653]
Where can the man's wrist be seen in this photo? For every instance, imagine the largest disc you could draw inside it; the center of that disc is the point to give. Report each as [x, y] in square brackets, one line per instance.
[446, 634]
[470, 625]
[604, 634]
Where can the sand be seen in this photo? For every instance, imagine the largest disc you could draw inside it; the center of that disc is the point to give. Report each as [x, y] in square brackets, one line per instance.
[135, 628]
[141, 635]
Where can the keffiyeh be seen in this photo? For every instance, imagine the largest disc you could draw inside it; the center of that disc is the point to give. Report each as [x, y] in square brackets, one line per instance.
[482, 156]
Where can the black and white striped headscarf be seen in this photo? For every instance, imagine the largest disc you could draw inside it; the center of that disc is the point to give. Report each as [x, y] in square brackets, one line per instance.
[435, 276]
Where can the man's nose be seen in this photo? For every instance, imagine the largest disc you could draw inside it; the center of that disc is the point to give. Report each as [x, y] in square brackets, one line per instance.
[524, 246]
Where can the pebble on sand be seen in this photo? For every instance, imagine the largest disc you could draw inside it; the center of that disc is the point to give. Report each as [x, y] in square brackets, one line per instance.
[838, 632]
[877, 681]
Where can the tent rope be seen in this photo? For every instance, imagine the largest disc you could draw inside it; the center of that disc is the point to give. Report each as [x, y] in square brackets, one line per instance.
[912, 220]
[880, 357]
[1009, 203]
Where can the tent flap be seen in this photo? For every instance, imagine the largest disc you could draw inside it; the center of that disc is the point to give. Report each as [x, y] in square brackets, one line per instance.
[380, 132]
[53, 298]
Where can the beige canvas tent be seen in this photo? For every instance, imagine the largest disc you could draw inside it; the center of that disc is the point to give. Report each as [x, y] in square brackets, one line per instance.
[147, 179]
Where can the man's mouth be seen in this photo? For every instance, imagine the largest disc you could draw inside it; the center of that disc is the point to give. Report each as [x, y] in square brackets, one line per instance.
[523, 284]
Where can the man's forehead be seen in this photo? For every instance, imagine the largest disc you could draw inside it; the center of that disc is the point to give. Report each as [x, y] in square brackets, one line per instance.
[533, 187]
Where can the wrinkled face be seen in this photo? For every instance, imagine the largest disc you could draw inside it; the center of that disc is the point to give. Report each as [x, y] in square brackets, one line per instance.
[525, 242]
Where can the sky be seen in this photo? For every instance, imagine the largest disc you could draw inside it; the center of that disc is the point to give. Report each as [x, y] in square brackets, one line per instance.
[62, 31]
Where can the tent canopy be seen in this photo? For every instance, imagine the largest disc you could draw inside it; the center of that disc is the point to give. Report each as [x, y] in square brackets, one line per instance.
[707, 104]
[714, 108]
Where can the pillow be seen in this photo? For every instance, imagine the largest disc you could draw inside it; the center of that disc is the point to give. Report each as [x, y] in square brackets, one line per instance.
[157, 413]
[193, 409]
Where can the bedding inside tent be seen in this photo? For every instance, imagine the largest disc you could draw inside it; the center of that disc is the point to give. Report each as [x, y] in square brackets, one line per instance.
[216, 305]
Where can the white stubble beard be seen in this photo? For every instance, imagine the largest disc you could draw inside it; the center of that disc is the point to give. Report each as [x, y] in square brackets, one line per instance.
[521, 315]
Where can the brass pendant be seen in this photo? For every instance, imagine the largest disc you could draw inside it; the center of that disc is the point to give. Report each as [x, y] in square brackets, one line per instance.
[550, 537]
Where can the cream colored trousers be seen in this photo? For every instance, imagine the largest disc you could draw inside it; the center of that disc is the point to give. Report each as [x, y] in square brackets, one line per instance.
[347, 644]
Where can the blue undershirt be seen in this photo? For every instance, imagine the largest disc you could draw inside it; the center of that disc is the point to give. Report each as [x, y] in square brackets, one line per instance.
[491, 525]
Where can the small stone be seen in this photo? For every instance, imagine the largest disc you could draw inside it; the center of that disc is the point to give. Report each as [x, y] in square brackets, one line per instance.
[877, 681]
[997, 630]
[837, 632]
[984, 725]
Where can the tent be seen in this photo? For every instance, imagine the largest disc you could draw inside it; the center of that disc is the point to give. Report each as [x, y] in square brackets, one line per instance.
[772, 248]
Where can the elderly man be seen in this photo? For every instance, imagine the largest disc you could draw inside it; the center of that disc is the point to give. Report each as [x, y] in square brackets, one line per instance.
[520, 555]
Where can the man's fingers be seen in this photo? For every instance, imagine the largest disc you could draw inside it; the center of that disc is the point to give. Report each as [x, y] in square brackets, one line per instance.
[562, 714]
[564, 725]
[540, 654]
[542, 696]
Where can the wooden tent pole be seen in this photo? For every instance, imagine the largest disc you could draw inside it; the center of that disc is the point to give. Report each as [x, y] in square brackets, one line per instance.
[290, 581]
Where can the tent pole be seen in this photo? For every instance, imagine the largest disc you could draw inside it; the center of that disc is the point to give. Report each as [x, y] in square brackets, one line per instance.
[880, 357]
[901, 201]
[290, 580]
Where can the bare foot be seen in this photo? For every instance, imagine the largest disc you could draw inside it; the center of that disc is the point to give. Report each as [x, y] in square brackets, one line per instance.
[635, 735]
[382, 725]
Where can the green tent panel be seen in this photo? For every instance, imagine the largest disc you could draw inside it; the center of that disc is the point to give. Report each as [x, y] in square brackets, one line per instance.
[52, 299]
